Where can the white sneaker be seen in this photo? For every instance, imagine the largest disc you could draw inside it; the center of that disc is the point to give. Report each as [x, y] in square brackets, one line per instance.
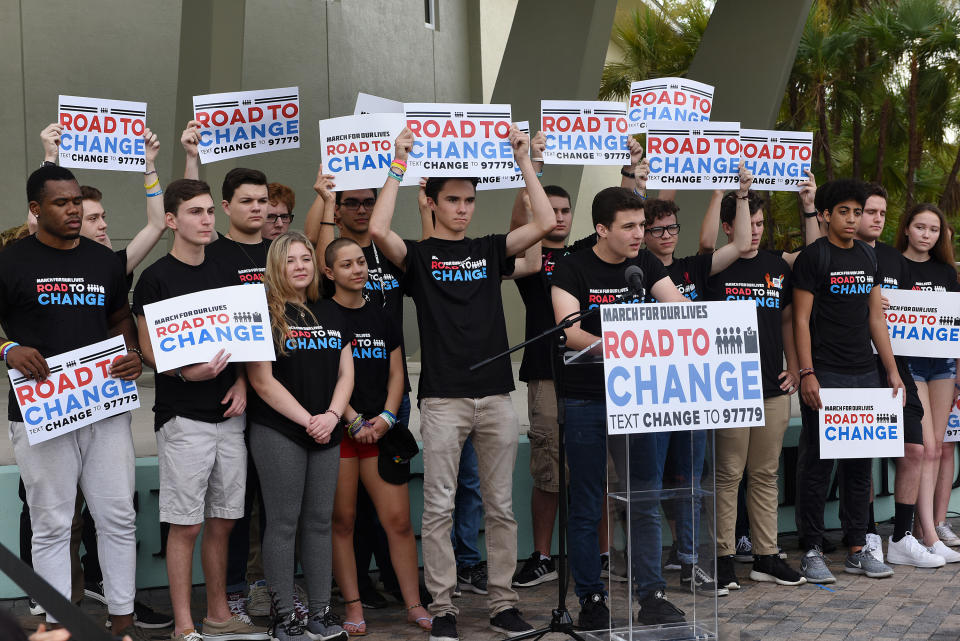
[909, 551]
[874, 546]
[946, 534]
[948, 555]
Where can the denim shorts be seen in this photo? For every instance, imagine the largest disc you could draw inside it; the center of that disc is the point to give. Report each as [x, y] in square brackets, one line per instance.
[929, 368]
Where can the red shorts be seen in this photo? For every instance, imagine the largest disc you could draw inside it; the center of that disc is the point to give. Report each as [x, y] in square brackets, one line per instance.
[350, 448]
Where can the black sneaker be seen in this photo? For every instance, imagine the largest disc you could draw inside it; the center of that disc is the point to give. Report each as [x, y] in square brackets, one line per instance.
[473, 578]
[673, 561]
[702, 582]
[535, 570]
[94, 591]
[656, 610]
[509, 622]
[146, 617]
[370, 598]
[770, 567]
[594, 614]
[726, 574]
[444, 628]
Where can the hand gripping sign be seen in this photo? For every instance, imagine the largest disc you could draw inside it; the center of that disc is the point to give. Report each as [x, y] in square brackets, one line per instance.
[703, 155]
[860, 423]
[102, 134]
[192, 328]
[459, 141]
[673, 99]
[357, 150]
[681, 366]
[78, 392]
[584, 132]
[923, 323]
[778, 160]
[244, 123]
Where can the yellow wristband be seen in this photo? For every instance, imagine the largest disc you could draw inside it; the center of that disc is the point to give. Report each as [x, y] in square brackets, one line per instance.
[153, 184]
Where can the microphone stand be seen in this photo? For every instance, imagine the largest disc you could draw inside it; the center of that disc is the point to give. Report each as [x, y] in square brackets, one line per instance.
[560, 620]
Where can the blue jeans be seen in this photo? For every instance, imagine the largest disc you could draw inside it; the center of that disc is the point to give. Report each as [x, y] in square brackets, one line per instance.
[682, 468]
[468, 513]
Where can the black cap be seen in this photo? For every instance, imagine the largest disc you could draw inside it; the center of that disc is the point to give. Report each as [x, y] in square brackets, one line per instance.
[397, 447]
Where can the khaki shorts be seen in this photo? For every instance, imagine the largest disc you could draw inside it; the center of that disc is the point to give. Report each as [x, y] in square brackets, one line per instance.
[203, 470]
[544, 451]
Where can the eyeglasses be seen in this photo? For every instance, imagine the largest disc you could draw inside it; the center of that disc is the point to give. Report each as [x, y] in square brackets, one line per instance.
[670, 230]
[273, 218]
[353, 204]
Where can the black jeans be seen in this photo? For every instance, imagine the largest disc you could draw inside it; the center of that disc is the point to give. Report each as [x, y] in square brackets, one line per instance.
[813, 474]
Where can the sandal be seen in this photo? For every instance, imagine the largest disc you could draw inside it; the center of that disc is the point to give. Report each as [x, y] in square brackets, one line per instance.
[424, 623]
[355, 628]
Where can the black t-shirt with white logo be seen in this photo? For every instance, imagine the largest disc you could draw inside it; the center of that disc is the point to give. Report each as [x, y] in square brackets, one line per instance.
[196, 400]
[594, 282]
[375, 336]
[56, 300]
[932, 276]
[764, 279]
[247, 261]
[456, 287]
[690, 274]
[535, 293]
[839, 320]
[309, 369]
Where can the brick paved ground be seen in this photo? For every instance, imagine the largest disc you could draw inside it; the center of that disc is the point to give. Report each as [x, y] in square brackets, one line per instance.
[913, 604]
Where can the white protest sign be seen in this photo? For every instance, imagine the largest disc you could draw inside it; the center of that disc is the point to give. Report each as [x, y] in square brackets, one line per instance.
[192, 328]
[454, 140]
[510, 180]
[860, 422]
[681, 366]
[777, 159]
[952, 435]
[703, 155]
[357, 150]
[923, 323]
[79, 391]
[675, 99]
[584, 132]
[102, 134]
[244, 123]
[370, 104]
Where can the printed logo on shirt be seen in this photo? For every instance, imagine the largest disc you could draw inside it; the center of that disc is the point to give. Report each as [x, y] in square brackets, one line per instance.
[458, 271]
[314, 338]
[765, 294]
[928, 286]
[366, 347]
[597, 297]
[379, 281]
[850, 282]
[549, 264]
[688, 288]
[890, 282]
[73, 291]
[251, 275]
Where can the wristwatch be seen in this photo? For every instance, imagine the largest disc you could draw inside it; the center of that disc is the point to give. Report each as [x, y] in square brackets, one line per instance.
[810, 214]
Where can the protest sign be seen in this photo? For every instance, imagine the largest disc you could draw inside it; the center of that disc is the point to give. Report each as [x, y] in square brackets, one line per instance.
[102, 134]
[584, 132]
[923, 323]
[244, 123]
[777, 159]
[860, 422]
[370, 104]
[674, 99]
[703, 155]
[357, 150]
[78, 392]
[689, 366]
[512, 179]
[952, 435]
[192, 328]
[454, 140]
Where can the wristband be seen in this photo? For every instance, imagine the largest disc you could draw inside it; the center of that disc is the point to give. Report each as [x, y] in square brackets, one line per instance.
[398, 169]
[747, 197]
[339, 418]
[805, 373]
[388, 418]
[153, 184]
[401, 163]
[395, 176]
[627, 174]
[355, 426]
[323, 222]
[152, 171]
[159, 192]
[540, 174]
[6, 347]
[638, 194]
[809, 214]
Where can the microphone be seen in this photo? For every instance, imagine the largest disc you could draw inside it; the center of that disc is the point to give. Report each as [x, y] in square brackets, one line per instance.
[634, 277]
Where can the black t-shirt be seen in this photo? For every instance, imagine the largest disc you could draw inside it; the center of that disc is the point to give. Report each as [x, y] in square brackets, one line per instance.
[594, 282]
[247, 261]
[932, 276]
[764, 279]
[690, 274]
[456, 287]
[375, 336]
[56, 300]
[893, 272]
[122, 255]
[535, 293]
[196, 400]
[839, 320]
[309, 369]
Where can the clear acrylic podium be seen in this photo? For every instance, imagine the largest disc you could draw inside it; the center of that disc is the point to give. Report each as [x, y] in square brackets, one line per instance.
[638, 508]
